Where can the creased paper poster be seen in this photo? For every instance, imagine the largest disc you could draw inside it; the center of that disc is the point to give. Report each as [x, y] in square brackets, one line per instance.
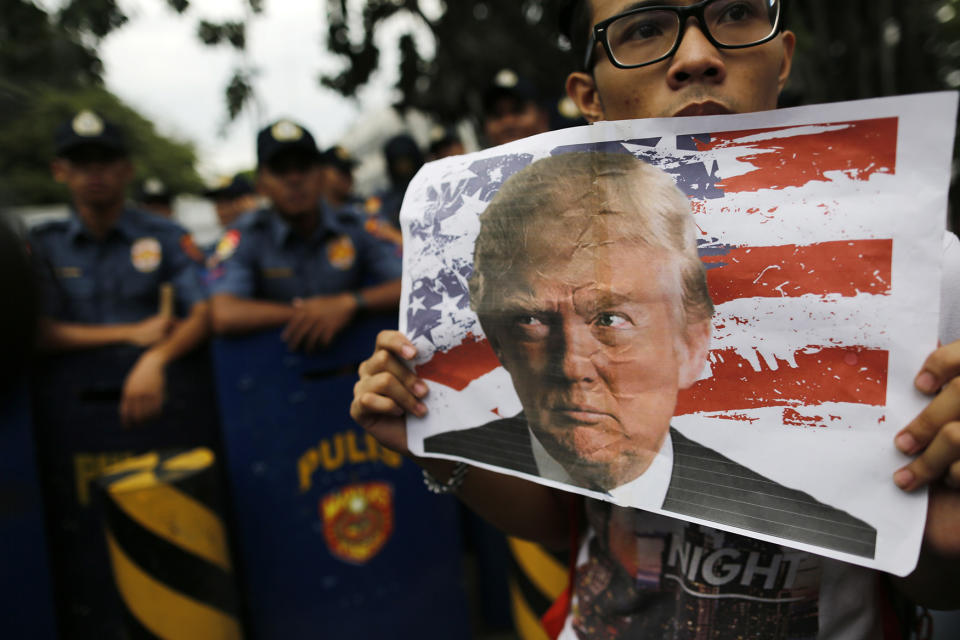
[716, 318]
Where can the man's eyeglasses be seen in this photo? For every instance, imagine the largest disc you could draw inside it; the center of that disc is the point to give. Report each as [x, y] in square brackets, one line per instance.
[649, 34]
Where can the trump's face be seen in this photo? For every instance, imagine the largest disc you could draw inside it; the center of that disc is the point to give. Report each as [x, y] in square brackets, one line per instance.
[593, 338]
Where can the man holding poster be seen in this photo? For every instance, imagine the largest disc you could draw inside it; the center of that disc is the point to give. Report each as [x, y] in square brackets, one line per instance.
[645, 575]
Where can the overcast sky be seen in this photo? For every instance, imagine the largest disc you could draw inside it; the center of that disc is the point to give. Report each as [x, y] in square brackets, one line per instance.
[157, 65]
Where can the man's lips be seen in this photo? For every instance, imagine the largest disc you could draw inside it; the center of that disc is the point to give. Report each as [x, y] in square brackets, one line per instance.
[708, 108]
[581, 414]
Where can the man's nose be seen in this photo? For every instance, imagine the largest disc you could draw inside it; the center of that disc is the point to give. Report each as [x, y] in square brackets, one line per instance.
[576, 352]
[696, 60]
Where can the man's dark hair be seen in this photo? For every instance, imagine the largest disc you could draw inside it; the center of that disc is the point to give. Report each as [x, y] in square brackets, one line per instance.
[576, 19]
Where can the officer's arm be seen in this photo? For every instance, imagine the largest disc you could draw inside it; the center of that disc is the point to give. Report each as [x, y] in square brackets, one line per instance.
[54, 335]
[232, 314]
[381, 297]
[185, 336]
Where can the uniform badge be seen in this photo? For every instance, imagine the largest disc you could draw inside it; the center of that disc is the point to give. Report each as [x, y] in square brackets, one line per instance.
[145, 254]
[286, 131]
[228, 244]
[341, 252]
[87, 124]
[357, 520]
[190, 248]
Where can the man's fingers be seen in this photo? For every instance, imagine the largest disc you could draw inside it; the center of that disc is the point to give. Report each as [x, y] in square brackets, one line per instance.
[942, 454]
[384, 361]
[941, 366]
[386, 384]
[297, 330]
[396, 343]
[922, 429]
[372, 404]
[315, 337]
[292, 326]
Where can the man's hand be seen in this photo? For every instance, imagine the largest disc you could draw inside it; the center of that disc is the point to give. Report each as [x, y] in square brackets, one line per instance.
[317, 320]
[386, 390]
[143, 390]
[935, 436]
[152, 330]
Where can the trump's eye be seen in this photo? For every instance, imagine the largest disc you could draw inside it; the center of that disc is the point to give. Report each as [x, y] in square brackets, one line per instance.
[528, 321]
[611, 320]
[530, 327]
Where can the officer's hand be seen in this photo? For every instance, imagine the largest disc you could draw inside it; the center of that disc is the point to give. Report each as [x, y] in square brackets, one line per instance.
[935, 436]
[152, 330]
[143, 390]
[387, 389]
[317, 320]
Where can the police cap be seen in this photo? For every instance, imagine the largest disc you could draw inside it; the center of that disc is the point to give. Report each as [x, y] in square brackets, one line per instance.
[338, 158]
[507, 84]
[88, 129]
[288, 138]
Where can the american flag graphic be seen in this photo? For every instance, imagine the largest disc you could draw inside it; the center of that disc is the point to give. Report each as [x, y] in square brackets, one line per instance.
[796, 222]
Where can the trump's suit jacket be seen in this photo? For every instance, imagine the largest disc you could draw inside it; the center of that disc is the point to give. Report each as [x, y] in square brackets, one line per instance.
[703, 484]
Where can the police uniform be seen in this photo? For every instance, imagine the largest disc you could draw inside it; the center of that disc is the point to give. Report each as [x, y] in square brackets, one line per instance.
[115, 279]
[262, 257]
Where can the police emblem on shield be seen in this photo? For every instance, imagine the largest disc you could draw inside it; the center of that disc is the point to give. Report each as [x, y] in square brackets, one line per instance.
[357, 520]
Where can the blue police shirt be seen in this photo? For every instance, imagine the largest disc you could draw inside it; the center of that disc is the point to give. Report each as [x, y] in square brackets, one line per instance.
[117, 278]
[262, 257]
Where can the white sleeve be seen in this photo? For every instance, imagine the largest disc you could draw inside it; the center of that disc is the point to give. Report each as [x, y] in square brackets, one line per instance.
[950, 290]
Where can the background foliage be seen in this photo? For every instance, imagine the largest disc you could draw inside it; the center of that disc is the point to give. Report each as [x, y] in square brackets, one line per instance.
[48, 60]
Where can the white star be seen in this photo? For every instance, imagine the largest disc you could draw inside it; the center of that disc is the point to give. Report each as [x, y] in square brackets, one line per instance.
[448, 304]
[416, 304]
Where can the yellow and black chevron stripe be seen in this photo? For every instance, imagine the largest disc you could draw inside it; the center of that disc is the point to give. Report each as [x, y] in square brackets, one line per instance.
[537, 578]
[168, 547]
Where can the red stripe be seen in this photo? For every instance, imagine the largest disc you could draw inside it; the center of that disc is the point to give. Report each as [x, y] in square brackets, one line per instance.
[822, 374]
[860, 149]
[461, 365]
[844, 267]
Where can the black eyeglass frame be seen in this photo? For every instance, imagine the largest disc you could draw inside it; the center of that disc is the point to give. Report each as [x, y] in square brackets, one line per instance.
[684, 13]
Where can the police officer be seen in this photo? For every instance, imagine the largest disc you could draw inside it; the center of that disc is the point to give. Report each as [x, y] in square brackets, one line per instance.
[444, 142]
[232, 198]
[153, 196]
[297, 264]
[403, 158]
[103, 269]
[512, 109]
[336, 174]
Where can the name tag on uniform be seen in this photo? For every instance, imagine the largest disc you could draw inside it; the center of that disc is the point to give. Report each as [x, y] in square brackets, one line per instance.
[68, 272]
[277, 272]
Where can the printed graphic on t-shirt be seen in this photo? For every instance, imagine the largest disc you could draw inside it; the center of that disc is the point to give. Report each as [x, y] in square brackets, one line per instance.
[652, 577]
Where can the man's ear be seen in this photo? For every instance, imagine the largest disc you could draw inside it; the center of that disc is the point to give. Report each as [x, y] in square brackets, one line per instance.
[789, 44]
[695, 345]
[582, 89]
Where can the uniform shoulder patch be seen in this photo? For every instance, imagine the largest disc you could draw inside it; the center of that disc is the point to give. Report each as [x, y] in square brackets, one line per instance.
[228, 244]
